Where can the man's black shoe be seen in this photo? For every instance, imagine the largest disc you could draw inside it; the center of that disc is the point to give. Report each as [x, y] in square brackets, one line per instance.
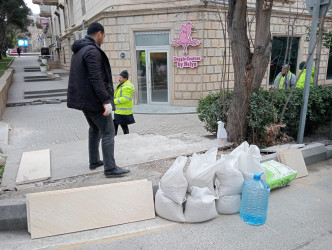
[116, 172]
[93, 166]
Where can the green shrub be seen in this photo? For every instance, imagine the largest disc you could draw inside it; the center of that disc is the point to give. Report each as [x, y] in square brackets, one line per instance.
[2, 169]
[265, 108]
[293, 110]
[4, 64]
[320, 104]
[261, 112]
[210, 110]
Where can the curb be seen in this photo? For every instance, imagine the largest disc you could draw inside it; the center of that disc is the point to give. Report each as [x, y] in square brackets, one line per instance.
[13, 214]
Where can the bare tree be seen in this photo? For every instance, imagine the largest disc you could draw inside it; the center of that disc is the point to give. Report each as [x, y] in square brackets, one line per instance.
[249, 66]
[224, 62]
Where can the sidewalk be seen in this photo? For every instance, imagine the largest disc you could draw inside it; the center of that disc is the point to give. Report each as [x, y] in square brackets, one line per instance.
[64, 131]
[160, 134]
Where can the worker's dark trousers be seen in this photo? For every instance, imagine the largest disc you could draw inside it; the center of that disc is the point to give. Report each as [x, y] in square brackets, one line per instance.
[101, 128]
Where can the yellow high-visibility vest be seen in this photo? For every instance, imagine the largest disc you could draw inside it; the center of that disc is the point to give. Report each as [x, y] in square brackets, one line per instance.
[289, 78]
[301, 81]
[123, 98]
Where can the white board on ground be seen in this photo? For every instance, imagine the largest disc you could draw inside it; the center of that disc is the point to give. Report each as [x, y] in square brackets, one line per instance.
[34, 166]
[293, 158]
[4, 130]
[72, 210]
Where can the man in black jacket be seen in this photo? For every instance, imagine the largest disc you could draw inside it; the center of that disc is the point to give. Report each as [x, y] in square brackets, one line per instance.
[90, 89]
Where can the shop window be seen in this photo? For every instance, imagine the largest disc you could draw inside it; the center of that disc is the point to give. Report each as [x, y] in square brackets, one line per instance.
[279, 46]
[329, 66]
[152, 38]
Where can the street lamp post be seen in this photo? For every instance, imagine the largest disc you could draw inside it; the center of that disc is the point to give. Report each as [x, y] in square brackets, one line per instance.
[316, 8]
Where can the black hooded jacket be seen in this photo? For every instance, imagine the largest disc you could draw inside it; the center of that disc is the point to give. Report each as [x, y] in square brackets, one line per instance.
[90, 83]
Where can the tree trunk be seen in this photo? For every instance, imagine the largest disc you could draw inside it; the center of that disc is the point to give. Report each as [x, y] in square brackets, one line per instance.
[263, 42]
[249, 68]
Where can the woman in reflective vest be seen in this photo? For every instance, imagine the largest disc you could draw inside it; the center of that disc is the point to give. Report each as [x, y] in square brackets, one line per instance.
[123, 99]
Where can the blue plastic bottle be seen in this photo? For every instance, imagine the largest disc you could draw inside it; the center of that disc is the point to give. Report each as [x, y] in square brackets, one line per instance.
[255, 197]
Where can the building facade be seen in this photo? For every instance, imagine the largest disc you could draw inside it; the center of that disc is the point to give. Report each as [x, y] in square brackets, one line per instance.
[174, 50]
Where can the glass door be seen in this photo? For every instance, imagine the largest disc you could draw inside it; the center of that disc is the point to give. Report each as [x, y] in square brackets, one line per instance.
[153, 76]
[141, 77]
[158, 76]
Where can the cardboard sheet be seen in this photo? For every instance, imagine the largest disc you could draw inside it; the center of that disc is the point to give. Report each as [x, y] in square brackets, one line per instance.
[293, 158]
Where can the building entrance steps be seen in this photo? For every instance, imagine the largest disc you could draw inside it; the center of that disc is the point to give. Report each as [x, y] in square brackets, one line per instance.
[45, 93]
[31, 69]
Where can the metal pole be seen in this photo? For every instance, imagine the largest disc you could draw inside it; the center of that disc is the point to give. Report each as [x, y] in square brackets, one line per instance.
[306, 89]
[323, 11]
[330, 136]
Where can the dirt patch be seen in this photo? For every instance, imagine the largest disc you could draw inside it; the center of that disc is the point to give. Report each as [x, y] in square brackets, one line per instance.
[151, 170]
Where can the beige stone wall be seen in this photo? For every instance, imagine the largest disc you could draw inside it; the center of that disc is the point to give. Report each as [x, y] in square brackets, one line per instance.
[65, 52]
[5, 83]
[187, 85]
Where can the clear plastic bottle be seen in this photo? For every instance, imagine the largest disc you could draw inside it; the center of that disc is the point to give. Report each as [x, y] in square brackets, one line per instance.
[221, 133]
[255, 197]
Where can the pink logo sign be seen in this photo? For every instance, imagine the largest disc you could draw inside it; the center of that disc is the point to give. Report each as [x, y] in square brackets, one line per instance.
[185, 38]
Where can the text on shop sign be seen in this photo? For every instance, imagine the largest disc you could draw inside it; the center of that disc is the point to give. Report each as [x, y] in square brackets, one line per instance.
[184, 40]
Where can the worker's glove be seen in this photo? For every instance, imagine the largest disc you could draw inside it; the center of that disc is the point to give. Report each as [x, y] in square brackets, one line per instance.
[108, 109]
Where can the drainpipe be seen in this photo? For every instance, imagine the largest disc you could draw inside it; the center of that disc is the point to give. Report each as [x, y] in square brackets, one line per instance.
[83, 25]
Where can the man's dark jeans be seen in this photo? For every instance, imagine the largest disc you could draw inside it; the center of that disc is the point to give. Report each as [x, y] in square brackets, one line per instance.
[101, 128]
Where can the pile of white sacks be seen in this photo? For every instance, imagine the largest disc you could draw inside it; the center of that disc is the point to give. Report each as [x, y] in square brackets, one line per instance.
[209, 186]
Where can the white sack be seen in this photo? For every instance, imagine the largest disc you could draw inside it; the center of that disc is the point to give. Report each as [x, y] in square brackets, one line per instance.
[174, 184]
[168, 209]
[243, 148]
[249, 158]
[229, 176]
[200, 205]
[229, 204]
[201, 170]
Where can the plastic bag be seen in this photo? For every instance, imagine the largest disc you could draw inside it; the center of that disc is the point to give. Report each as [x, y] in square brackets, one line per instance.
[200, 205]
[229, 204]
[229, 177]
[249, 158]
[168, 209]
[174, 184]
[278, 174]
[201, 170]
